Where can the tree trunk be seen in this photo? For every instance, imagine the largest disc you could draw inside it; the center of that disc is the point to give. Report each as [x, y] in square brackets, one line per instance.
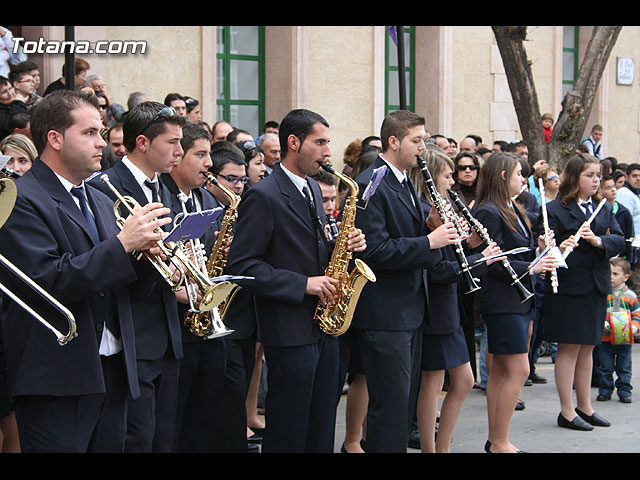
[577, 104]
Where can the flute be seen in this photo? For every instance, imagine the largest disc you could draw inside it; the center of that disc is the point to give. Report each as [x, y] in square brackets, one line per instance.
[578, 235]
[547, 231]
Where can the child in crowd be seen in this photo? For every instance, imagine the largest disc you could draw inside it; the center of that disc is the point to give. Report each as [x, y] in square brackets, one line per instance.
[547, 126]
[614, 353]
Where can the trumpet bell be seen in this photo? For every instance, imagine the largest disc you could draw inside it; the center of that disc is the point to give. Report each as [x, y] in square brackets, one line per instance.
[8, 195]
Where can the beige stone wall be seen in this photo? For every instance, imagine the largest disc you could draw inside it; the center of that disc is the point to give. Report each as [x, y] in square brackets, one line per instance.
[172, 63]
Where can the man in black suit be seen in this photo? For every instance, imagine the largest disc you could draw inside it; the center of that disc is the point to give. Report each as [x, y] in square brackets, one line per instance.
[152, 134]
[203, 365]
[280, 241]
[391, 310]
[63, 234]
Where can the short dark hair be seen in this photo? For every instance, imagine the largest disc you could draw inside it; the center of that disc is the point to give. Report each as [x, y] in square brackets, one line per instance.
[53, 112]
[621, 262]
[300, 123]
[632, 167]
[325, 177]
[270, 124]
[224, 152]
[142, 120]
[191, 132]
[171, 97]
[397, 124]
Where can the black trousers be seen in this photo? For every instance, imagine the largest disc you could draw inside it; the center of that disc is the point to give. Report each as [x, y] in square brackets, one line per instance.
[76, 424]
[232, 427]
[151, 420]
[300, 406]
[199, 395]
[391, 361]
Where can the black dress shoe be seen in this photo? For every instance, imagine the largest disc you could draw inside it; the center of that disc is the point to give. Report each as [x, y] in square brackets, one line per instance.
[594, 419]
[255, 438]
[487, 447]
[535, 378]
[414, 440]
[253, 448]
[520, 405]
[625, 399]
[576, 424]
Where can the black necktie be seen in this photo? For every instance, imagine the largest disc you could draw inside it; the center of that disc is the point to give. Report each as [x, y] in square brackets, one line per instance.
[587, 208]
[312, 211]
[154, 189]
[78, 192]
[110, 306]
[189, 205]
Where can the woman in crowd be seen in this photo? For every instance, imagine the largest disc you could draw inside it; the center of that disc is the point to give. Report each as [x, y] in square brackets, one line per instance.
[444, 345]
[21, 150]
[466, 175]
[574, 317]
[506, 316]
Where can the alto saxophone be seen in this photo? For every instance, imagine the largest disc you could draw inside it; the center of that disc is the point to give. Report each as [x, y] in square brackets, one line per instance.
[335, 318]
[210, 324]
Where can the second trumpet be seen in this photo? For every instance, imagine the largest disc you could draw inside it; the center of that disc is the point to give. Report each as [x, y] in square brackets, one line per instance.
[177, 268]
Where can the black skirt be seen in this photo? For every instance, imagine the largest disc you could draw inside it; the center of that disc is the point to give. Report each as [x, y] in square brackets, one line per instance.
[507, 333]
[576, 319]
[444, 351]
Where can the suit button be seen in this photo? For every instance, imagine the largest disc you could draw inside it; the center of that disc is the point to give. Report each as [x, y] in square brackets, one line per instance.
[99, 327]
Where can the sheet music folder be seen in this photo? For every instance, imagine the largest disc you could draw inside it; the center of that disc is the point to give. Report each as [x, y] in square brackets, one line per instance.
[194, 225]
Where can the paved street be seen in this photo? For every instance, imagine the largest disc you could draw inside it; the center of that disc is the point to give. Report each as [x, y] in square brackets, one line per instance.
[534, 429]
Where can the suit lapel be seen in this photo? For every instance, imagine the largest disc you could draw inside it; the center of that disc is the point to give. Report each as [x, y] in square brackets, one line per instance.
[50, 183]
[295, 200]
[402, 194]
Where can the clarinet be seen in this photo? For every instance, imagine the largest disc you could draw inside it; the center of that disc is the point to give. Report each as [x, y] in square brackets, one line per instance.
[437, 202]
[479, 229]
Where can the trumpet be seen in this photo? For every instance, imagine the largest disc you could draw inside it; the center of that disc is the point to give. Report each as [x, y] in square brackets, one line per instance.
[547, 232]
[479, 229]
[8, 193]
[438, 203]
[182, 266]
[588, 221]
[197, 253]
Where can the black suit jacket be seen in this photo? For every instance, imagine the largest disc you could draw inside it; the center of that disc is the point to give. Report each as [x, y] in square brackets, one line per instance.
[277, 242]
[47, 238]
[155, 310]
[497, 294]
[399, 254]
[589, 267]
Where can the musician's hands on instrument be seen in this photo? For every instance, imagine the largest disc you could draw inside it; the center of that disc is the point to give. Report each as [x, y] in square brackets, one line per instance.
[229, 240]
[570, 242]
[545, 264]
[542, 241]
[357, 241]
[474, 240]
[491, 250]
[324, 287]
[444, 235]
[142, 229]
[586, 233]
